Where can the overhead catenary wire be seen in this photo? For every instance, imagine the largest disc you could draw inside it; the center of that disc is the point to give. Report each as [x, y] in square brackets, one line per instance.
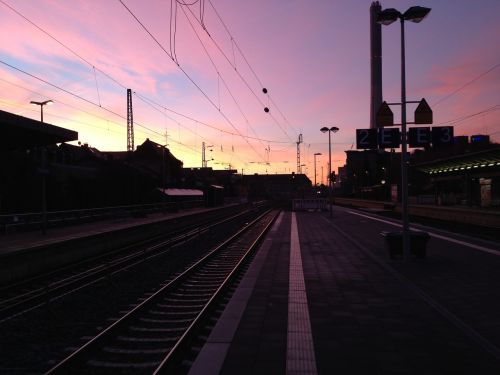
[60, 43]
[207, 124]
[219, 76]
[233, 65]
[461, 119]
[191, 79]
[159, 108]
[256, 96]
[89, 113]
[233, 41]
[466, 84]
[95, 68]
[79, 97]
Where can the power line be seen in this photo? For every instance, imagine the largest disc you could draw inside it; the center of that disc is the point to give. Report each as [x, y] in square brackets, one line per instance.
[218, 72]
[458, 120]
[233, 41]
[155, 133]
[76, 95]
[113, 79]
[157, 108]
[116, 81]
[59, 42]
[466, 84]
[192, 80]
[206, 124]
[233, 65]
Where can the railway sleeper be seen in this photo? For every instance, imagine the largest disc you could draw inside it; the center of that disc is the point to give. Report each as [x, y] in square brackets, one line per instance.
[109, 364]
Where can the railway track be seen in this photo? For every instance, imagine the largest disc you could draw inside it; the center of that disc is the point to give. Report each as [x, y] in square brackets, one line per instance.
[157, 334]
[31, 294]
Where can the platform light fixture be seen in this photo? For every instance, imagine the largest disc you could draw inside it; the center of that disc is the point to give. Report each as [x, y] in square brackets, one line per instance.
[386, 17]
[330, 130]
[41, 104]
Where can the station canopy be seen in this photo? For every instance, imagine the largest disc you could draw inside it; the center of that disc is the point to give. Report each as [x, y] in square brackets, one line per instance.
[486, 159]
[18, 132]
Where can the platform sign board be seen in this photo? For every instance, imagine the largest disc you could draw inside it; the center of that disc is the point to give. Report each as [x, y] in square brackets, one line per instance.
[389, 137]
[419, 136]
[385, 117]
[423, 113]
[366, 139]
[442, 136]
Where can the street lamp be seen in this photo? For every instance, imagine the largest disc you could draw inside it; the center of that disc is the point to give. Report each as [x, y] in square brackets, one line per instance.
[386, 17]
[333, 129]
[43, 170]
[316, 154]
[41, 104]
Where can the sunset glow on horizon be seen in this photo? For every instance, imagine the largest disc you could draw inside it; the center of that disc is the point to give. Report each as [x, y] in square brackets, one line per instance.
[198, 71]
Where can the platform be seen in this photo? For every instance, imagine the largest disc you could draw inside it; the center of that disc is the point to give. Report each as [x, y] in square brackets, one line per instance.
[323, 296]
[22, 240]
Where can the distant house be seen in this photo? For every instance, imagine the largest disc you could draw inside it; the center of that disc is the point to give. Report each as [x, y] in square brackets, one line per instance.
[154, 160]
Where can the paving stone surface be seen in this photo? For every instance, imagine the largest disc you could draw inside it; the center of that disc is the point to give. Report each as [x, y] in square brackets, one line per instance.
[370, 314]
[364, 320]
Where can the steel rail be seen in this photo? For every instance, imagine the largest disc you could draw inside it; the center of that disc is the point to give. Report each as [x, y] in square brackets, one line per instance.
[97, 341]
[92, 275]
[173, 356]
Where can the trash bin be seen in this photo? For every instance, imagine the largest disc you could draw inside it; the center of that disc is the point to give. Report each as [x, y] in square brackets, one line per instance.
[418, 243]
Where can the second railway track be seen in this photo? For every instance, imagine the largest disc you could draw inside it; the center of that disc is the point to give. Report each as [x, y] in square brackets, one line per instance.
[29, 294]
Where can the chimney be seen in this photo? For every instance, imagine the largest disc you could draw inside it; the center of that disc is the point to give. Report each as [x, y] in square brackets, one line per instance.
[375, 63]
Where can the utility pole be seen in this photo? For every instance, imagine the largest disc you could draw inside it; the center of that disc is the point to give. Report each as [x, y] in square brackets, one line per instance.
[203, 159]
[299, 141]
[204, 163]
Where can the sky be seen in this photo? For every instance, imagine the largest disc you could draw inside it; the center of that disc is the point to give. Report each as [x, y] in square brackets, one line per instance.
[197, 73]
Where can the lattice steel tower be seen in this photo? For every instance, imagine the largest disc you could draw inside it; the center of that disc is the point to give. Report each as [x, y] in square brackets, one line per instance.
[130, 122]
[299, 167]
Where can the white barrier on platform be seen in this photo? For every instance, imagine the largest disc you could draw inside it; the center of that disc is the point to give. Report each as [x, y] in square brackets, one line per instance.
[313, 204]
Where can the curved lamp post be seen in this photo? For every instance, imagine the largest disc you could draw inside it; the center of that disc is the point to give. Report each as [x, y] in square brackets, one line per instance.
[41, 104]
[333, 129]
[386, 17]
[44, 167]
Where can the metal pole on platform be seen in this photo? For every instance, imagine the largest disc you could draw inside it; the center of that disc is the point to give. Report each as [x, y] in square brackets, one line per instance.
[43, 169]
[316, 154]
[333, 129]
[386, 17]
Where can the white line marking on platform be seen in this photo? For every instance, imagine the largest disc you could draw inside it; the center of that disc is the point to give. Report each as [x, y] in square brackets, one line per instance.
[463, 243]
[300, 358]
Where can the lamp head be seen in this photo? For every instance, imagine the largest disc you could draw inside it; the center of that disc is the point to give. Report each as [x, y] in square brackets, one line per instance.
[317, 153]
[46, 102]
[416, 14]
[388, 16]
[334, 129]
[324, 129]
